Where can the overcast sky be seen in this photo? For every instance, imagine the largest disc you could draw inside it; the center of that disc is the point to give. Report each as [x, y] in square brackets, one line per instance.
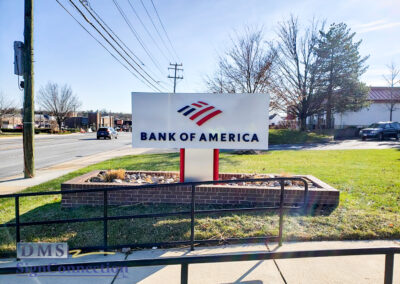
[199, 31]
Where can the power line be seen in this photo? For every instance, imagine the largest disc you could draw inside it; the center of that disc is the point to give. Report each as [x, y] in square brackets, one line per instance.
[117, 42]
[86, 2]
[165, 31]
[158, 32]
[137, 36]
[122, 42]
[100, 43]
[90, 23]
[147, 31]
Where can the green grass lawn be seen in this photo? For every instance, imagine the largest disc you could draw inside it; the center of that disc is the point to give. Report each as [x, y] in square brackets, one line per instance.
[287, 136]
[369, 182]
[10, 134]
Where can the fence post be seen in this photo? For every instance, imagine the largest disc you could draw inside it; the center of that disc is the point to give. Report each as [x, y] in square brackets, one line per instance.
[105, 223]
[192, 219]
[184, 273]
[17, 228]
[281, 212]
[305, 197]
[389, 263]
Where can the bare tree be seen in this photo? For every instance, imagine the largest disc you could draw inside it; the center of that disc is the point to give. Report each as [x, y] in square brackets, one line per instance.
[58, 101]
[246, 67]
[7, 106]
[295, 83]
[392, 80]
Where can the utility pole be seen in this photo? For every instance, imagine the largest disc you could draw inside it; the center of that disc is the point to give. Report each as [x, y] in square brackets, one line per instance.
[29, 113]
[182, 150]
[176, 69]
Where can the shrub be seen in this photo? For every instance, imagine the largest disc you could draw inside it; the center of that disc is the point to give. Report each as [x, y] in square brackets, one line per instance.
[42, 130]
[11, 130]
[110, 175]
[37, 130]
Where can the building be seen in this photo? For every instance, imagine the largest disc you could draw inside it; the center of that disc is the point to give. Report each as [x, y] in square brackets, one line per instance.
[275, 119]
[107, 121]
[77, 122]
[44, 120]
[378, 110]
[94, 120]
[118, 122]
[10, 121]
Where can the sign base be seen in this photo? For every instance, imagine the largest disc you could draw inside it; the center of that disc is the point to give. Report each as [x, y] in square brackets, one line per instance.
[199, 164]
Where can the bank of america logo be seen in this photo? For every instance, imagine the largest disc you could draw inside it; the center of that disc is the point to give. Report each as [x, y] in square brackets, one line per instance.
[200, 112]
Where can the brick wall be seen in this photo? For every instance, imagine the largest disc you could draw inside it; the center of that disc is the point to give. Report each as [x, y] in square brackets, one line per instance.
[320, 194]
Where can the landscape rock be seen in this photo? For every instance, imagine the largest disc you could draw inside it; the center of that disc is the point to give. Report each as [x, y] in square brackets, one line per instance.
[96, 179]
[142, 179]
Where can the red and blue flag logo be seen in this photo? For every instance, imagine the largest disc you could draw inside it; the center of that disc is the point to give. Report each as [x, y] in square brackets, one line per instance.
[200, 112]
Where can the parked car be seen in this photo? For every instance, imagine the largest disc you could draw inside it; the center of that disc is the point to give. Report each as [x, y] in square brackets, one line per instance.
[381, 130]
[107, 132]
[397, 126]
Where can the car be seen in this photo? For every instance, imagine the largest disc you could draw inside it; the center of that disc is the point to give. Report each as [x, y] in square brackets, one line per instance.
[397, 126]
[381, 130]
[107, 132]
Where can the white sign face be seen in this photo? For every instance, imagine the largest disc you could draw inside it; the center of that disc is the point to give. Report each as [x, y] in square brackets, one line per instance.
[210, 121]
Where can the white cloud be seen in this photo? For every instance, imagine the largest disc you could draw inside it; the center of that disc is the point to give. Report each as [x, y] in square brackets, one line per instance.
[367, 25]
[376, 25]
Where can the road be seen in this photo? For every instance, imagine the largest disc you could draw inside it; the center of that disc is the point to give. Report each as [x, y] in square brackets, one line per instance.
[55, 149]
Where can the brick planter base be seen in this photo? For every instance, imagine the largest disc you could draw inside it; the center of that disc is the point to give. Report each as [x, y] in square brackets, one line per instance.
[320, 194]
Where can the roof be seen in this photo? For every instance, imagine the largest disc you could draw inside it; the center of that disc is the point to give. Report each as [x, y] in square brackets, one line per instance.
[273, 116]
[384, 94]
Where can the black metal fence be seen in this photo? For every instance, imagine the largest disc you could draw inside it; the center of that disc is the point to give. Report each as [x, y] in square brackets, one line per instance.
[389, 253]
[192, 213]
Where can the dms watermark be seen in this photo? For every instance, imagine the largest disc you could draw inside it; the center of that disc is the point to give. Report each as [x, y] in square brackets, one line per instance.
[60, 250]
[51, 250]
[72, 270]
[42, 250]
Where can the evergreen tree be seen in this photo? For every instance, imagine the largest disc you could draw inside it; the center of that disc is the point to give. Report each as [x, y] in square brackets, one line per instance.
[340, 65]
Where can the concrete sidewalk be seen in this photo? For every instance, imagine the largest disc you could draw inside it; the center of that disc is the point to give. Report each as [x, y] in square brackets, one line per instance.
[344, 269]
[17, 183]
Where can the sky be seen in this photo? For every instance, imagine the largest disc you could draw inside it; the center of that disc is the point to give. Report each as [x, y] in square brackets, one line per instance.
[64, 53]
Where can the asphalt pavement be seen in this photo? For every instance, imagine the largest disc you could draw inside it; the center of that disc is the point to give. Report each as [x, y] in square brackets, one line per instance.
[55, 149]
